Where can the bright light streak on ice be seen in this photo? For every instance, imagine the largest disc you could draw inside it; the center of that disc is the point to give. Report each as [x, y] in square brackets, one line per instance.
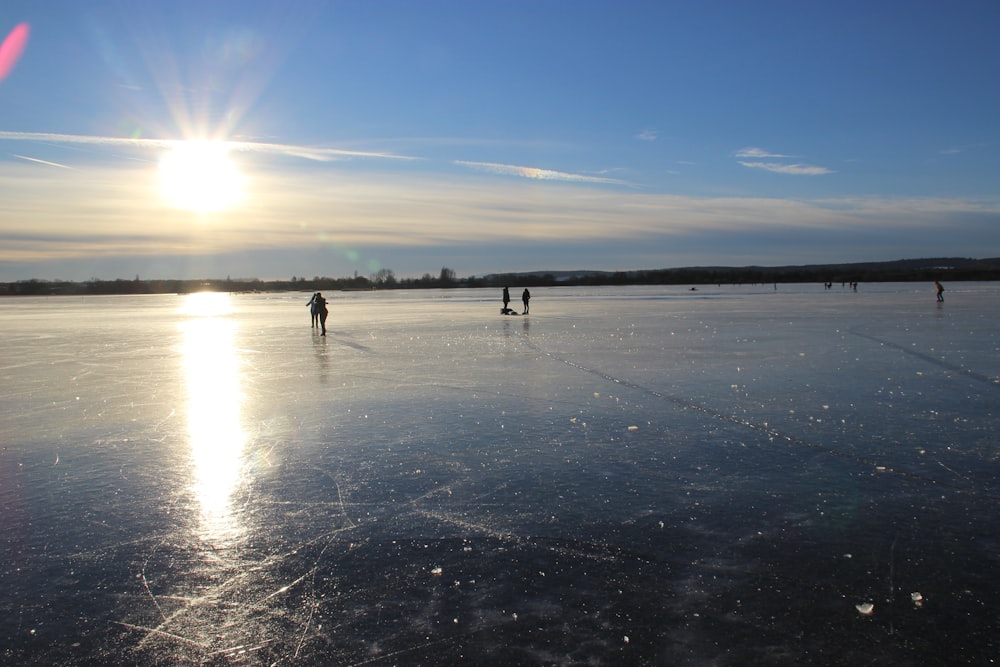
[212, 371]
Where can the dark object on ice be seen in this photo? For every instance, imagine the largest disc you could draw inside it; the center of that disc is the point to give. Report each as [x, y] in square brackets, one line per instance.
[508, 311]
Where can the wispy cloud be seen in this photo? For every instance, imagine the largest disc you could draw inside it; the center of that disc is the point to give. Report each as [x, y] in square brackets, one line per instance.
[781, 168]
[538, 174]
[777, 162]
[754, 152]
[964, 149]
[314, 153]
[648, 135]
[122, 213]
[56, 138]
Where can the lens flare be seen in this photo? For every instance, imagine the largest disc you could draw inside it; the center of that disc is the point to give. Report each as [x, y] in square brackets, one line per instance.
[12, 48]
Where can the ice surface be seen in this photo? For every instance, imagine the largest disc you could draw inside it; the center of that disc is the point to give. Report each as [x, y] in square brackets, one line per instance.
[627, 475]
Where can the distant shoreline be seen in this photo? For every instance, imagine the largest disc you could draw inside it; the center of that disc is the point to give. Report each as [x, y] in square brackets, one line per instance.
[948, 269]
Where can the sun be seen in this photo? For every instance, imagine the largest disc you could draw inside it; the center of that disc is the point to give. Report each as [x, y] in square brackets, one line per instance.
[199, 176]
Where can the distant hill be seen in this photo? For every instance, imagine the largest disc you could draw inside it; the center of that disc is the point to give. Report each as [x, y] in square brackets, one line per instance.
[900, 270]
[560, 276]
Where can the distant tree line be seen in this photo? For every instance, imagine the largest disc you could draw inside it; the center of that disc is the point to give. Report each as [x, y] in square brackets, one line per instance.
[917, 270]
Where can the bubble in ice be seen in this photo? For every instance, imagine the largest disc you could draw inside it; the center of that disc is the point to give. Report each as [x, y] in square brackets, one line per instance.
[865, 608]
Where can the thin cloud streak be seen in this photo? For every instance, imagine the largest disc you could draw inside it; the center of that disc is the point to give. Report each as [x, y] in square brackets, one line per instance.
[39, 161]
[538, 174]
[794, 169]
[754, 152]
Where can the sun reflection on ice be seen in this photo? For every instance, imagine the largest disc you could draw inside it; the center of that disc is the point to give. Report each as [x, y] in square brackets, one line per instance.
[213, 372]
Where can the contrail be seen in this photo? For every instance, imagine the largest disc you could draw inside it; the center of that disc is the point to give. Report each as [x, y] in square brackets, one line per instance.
[35, 159]
[318, 154]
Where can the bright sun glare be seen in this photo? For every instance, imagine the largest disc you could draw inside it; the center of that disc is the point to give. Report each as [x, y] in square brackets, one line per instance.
[199, 176]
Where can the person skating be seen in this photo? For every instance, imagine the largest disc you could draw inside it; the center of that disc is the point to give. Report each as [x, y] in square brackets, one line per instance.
[321, 311]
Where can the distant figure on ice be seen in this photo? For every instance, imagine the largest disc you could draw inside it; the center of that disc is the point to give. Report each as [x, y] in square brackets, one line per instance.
[506, 301]
[321, 311]
[525, 297]
[313, 309]
[940, 290]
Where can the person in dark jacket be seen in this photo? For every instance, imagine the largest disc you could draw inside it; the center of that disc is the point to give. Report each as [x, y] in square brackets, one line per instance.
[321, 311]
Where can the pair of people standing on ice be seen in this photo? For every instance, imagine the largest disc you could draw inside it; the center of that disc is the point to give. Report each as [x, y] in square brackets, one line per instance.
[317, 307]
[525, 297]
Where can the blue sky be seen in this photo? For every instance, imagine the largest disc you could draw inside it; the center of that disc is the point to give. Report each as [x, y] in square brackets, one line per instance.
[253, 139]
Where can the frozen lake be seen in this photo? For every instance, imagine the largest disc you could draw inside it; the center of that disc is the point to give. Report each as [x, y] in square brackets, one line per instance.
[640, 475]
